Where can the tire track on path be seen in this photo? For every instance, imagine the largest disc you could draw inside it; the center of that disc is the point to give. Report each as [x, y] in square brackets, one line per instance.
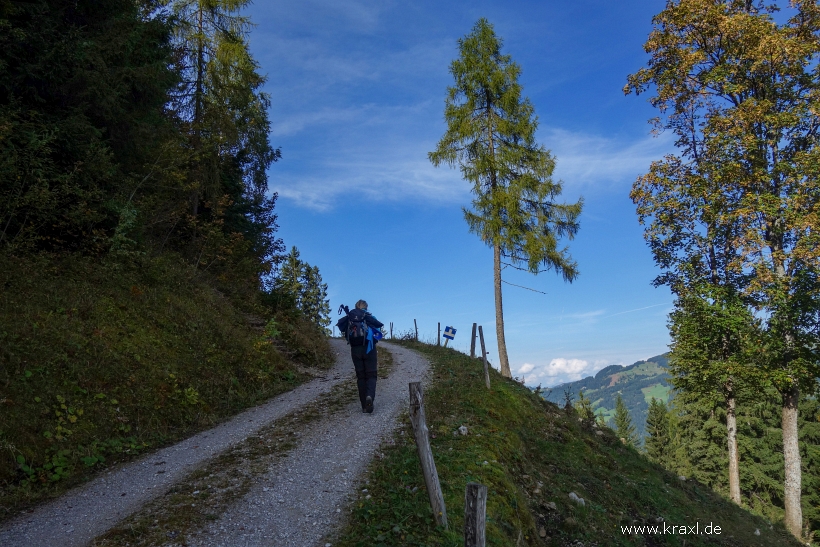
[82, 514]
[303, 497]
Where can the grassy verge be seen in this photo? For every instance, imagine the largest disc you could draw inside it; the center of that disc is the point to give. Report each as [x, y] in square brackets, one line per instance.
[531, 455]
[101, 361]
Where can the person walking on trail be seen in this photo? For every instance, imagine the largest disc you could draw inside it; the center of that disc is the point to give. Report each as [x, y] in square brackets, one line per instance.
[360, 328]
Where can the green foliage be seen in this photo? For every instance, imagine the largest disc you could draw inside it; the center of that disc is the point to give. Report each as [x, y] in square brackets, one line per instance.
[622, 421]
[82, 90]
[583, 406]
[302, 283]
[113, 138]
[657, 440]
[736, 208]
[101, 360]
[713, 335]
[491, 137]
[698, 450]
[535, 454]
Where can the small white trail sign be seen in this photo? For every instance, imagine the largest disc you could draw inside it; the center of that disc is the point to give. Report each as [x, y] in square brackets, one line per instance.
[449, 334]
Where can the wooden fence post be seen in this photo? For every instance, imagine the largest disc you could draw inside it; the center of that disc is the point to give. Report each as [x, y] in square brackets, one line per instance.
[472, 343]
[438, 343]
[428, 465]
[417, 329]
[484, 356]
[475, 512]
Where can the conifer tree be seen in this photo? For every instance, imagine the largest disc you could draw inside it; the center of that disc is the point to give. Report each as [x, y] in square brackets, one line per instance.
[291, 276]
[584, 408]
[314, 301]
[657, 440]
[624, 427]
[83, 86]
[303, 283]
[491, 137]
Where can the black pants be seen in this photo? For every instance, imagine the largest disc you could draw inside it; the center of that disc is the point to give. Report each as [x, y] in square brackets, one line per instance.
[366, 373]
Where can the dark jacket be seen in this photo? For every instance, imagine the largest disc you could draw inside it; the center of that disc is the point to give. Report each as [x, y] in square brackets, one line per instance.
[369, 319]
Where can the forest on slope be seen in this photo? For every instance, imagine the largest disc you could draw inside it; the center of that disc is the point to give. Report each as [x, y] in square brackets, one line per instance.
[687, 434]
[144, 293]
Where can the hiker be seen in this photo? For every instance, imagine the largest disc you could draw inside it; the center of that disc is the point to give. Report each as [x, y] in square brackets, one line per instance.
[360, 328]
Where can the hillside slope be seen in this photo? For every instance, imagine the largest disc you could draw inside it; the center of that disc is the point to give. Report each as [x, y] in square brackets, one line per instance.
[102, 360]
[637, 384]
[532, 454]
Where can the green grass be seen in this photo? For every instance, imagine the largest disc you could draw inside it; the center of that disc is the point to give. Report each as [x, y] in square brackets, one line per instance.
[658, 391]
[101, 361]
[531, 455]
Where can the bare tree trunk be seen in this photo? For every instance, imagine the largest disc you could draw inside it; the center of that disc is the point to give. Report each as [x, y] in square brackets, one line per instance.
[499, 314]
[198, 107]
[731, 427]
[791, 456]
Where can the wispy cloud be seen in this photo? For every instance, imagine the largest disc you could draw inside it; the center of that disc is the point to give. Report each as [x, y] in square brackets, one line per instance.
[636, 309]
[393, 165]
[594, 160]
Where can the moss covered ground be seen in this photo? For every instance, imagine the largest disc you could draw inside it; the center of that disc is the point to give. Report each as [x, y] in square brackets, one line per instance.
[531, 455]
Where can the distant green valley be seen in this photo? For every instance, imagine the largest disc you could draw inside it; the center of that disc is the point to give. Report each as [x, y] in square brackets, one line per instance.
[637, 384]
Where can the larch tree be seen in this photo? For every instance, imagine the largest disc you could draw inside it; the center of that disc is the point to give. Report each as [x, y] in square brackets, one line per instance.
[491, 137]
[220, 101]
[739, 90]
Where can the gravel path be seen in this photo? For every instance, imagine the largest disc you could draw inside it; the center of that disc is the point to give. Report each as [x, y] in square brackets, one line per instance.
[303, 497]
[88, 511]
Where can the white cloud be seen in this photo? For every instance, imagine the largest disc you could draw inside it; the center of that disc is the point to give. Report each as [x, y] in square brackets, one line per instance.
[525, 368]
[560, 370]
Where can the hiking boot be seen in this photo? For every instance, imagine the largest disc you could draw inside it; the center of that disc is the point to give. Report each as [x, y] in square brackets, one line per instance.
[368, 404]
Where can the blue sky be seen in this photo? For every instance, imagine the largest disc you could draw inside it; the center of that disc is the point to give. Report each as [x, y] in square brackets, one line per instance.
[357, 90]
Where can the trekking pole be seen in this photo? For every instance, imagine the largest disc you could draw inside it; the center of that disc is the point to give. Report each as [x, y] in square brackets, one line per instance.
[438, 340]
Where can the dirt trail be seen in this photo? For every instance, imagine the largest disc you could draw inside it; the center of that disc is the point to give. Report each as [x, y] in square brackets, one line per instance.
[296, 501]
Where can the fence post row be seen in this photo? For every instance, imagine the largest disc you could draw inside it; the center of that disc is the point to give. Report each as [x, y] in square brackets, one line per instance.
[428, 465]
[484, 356]
[472, 343]
[475, 512]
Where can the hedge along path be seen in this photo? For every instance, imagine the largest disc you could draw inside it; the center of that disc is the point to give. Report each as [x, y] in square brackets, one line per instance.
[83, 514]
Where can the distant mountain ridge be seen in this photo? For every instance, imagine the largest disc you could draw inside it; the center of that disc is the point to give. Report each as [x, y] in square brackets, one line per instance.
[637, 384]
